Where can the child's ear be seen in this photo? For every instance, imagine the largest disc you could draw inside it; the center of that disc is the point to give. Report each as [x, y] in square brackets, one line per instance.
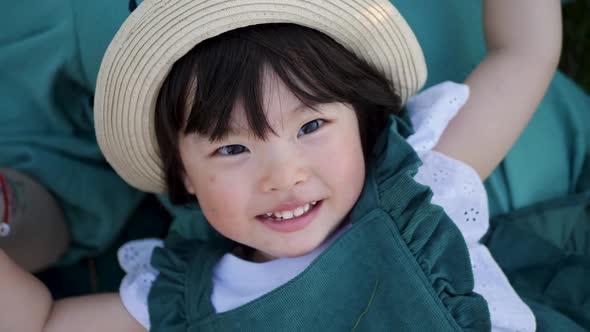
[188, 185]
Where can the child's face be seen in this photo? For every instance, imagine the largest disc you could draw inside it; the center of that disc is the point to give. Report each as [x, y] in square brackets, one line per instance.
[314, 157]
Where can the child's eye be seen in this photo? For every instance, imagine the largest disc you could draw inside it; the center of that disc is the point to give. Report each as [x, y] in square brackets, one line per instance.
[229, 150]
[310, 127]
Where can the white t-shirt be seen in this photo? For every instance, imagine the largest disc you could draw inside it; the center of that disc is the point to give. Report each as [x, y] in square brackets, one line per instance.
[455, 186]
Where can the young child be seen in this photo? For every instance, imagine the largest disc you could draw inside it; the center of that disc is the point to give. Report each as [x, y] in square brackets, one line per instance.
[283, 121]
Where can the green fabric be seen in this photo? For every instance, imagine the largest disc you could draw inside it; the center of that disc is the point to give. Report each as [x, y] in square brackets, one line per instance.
[545, 251]
[49, 56]
[403, 265]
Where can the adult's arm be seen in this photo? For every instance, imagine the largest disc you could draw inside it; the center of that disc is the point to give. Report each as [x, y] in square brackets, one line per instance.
[523, 39]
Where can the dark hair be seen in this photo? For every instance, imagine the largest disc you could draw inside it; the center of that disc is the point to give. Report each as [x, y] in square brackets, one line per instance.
[208, 80]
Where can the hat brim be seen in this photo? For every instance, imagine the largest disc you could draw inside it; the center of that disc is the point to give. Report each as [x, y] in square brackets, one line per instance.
[159, 32]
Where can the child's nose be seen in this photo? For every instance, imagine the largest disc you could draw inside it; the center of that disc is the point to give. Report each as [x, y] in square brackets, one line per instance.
[283, 173]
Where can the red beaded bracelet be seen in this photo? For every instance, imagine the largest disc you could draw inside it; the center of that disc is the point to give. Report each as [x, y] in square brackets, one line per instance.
[4, 227]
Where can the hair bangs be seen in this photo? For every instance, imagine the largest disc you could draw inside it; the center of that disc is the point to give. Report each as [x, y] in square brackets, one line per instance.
[229, 69]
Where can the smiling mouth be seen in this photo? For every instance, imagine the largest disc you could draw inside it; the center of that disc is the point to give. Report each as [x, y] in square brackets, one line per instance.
[301, 211]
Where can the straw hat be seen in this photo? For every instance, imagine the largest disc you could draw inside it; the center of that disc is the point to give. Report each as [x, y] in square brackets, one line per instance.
[159, 32]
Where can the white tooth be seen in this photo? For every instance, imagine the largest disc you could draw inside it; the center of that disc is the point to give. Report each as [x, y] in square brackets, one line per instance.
[306, 207]
[269, 214]
[314, 203]
[287, 214]
[278, 215]
[298, 211]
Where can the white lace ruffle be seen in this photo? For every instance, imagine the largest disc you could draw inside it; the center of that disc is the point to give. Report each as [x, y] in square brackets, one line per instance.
[431, 111]
[456, 187]
[134, 258]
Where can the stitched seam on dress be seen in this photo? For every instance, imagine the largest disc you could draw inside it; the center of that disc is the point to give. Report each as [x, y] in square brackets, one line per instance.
[366, 310]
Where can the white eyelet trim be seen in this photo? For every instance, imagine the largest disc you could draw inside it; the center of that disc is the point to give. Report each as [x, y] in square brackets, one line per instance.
[458, 189]
[134, 258]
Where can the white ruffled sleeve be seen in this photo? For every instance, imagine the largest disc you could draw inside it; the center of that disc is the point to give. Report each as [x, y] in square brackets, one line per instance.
[458, 189]
[134, 258]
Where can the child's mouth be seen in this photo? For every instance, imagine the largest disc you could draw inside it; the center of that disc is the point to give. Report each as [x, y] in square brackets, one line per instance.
[289, 221]
[288, 215]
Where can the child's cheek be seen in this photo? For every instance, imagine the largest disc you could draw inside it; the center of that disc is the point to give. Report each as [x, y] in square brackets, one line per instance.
[217, 214]
[351, 162]
[346, 165]
[221, 196]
